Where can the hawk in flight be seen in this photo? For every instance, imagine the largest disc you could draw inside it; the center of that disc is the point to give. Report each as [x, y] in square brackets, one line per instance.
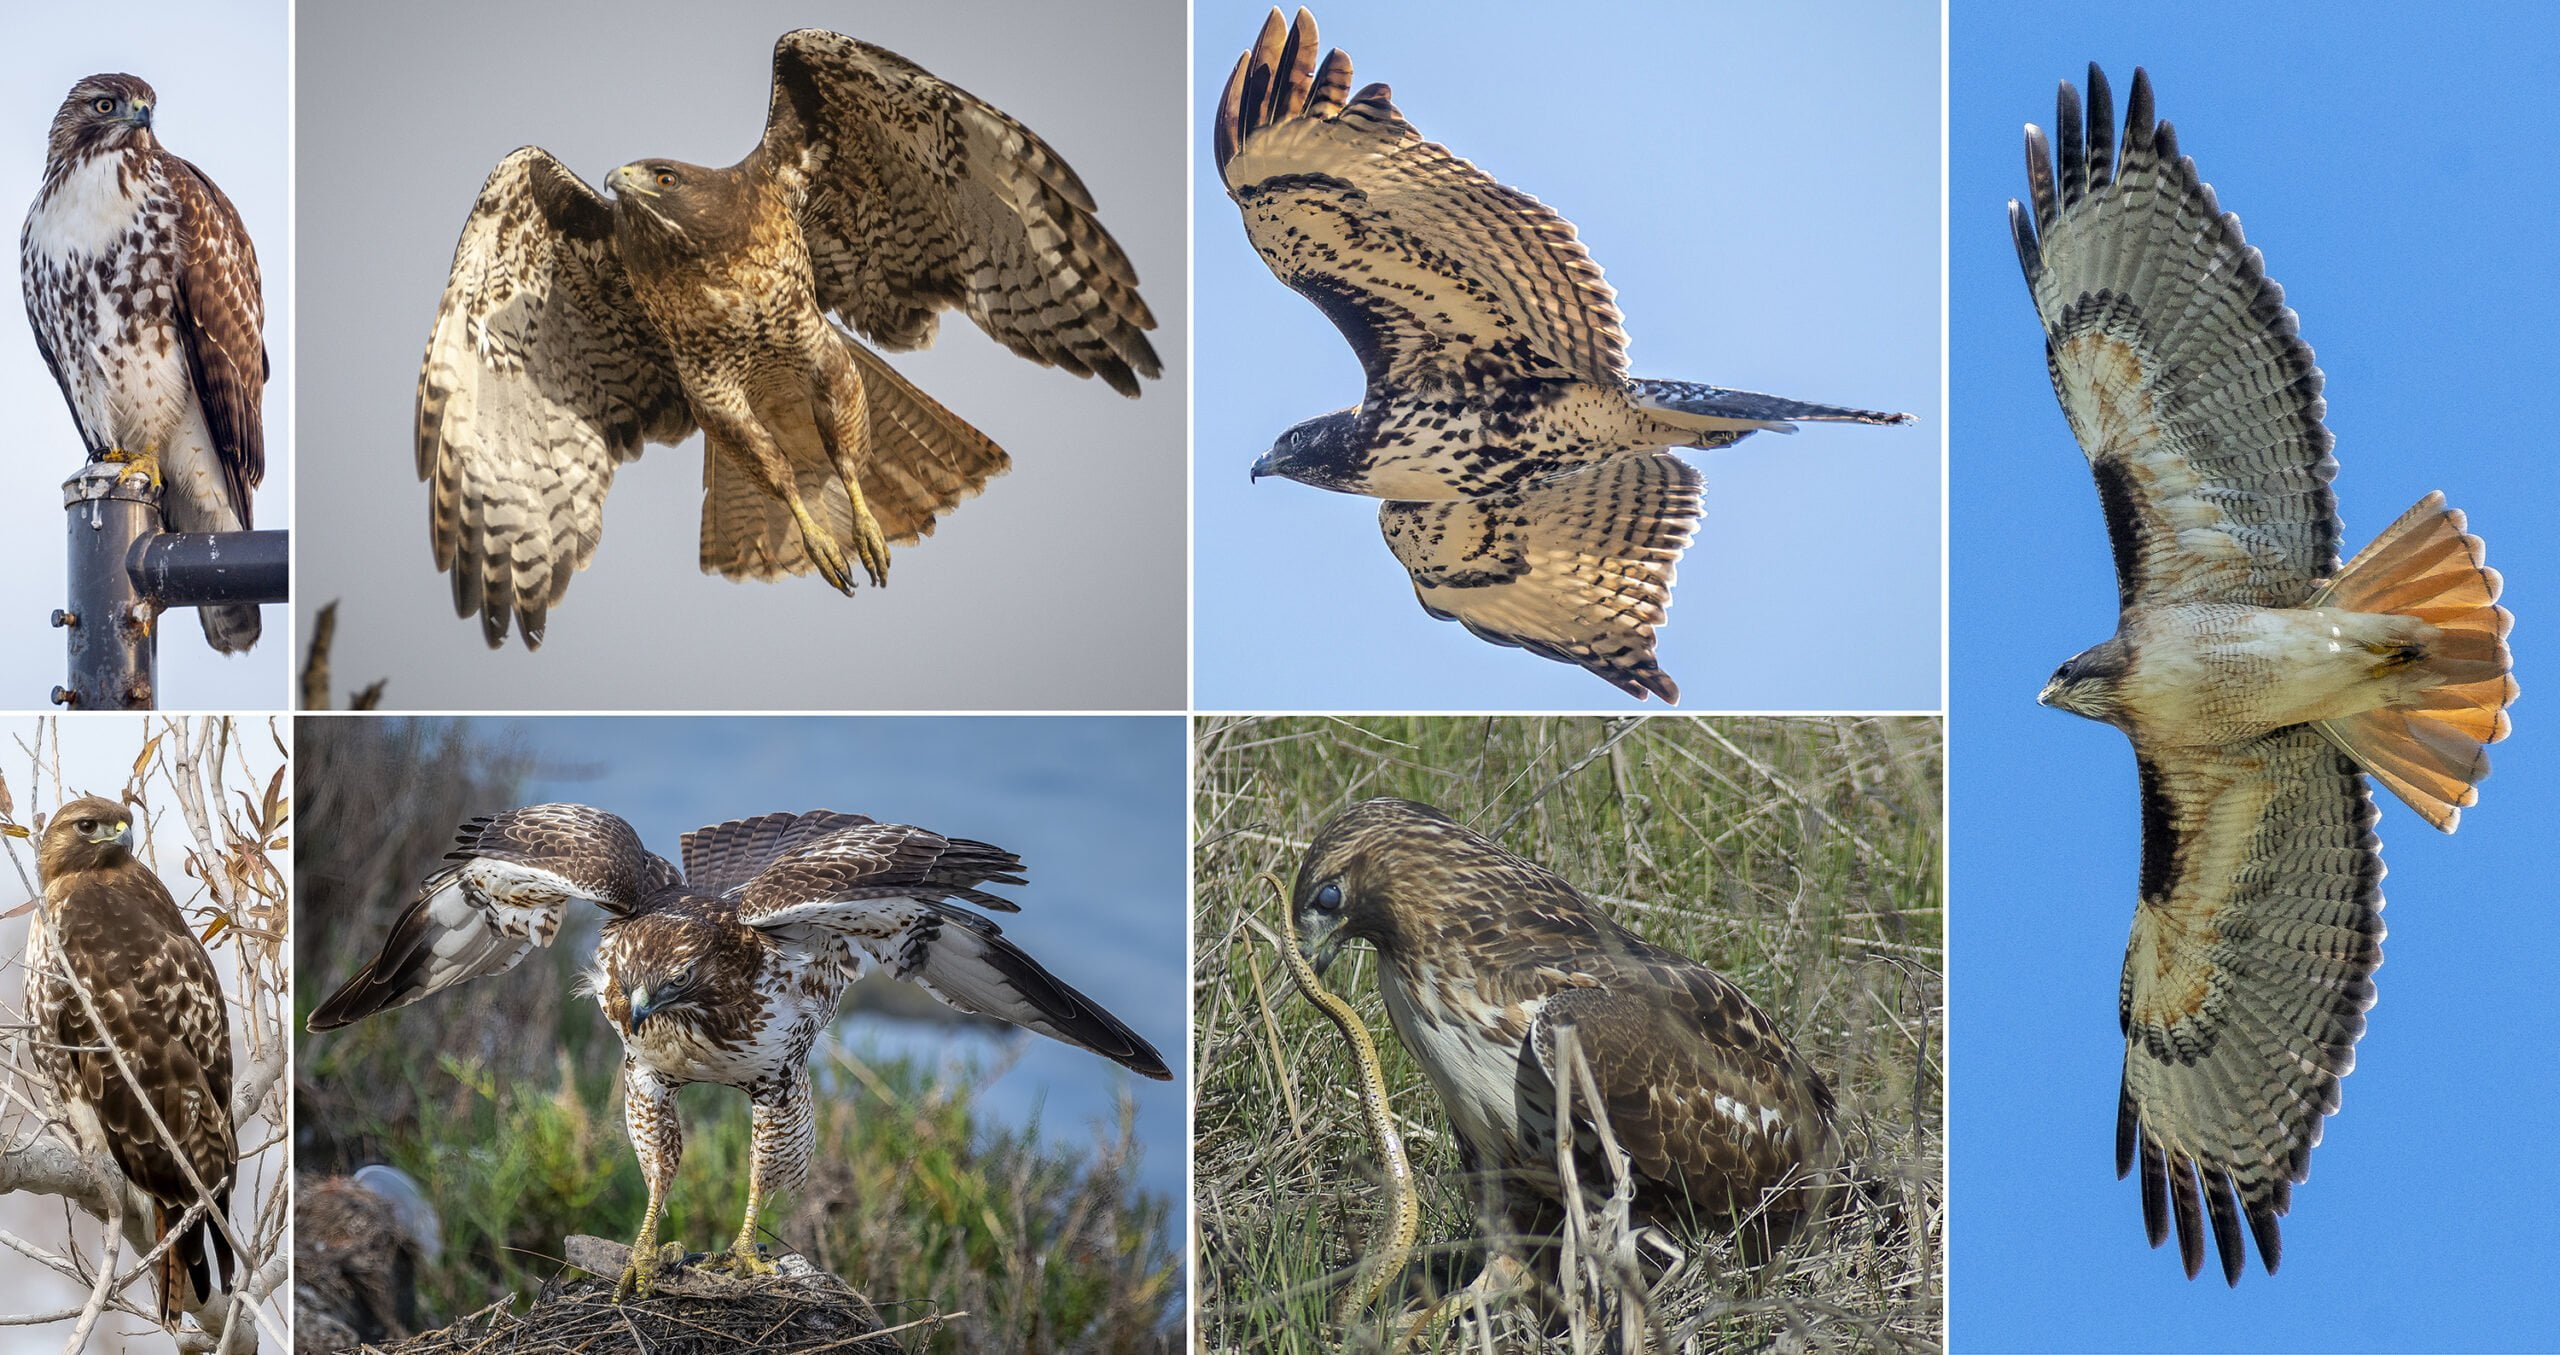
[111, 926]
[726, 971]
[1484, 958]
[143, 291]
[578, 326]
[2258, 679]
[1527, 485]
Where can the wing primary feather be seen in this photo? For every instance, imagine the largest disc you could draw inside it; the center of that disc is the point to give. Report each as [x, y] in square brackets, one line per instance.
[2102, 129]
[2068, 137]
[2040, 179]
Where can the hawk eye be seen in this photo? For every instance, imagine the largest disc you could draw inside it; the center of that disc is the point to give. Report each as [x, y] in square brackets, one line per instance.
[103, 104]
[88, 825]
[666, 178]
[1328, 898]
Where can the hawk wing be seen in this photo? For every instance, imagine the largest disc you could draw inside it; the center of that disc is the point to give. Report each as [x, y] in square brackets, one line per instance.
[509, 888]
[881, 888]
[1697, 1085]
[2178, 365]
[921, 197]
[1434, 272]
[1578, 570]
[223, 323]
[2245, 982]
[725, 856]
[540, 378]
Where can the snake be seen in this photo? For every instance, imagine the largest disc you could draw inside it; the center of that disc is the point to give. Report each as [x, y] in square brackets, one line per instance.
[1404, 1217]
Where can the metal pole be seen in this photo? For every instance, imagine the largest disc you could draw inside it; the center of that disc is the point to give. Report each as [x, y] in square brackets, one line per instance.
[125, 572]
[114, 651]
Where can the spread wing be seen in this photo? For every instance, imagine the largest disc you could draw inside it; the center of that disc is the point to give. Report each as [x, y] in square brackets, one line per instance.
[1578, 570]
[2178, 365]
[921, 198]
[1698, 1087]
[540, 378]
[882, 888]
[2245, 982]
[1434, 272]
[224, 328]
[725, 856]
[509, 888]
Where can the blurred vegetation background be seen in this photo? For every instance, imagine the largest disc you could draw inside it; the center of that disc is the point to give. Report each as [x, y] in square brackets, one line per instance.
[1803, 858]
[501, 1099]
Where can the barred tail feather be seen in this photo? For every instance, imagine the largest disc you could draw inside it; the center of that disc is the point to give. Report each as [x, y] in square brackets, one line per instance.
[2431, 751]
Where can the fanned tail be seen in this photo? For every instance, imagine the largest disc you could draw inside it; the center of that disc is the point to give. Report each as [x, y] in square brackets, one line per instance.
[2432, 750]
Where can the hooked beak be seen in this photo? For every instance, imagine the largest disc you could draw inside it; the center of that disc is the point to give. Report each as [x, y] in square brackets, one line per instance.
[2051, 694]
[1269, 463]
[644, 1004]
[139, 114]
[631, 179]
[1321, 943]
[119, 832]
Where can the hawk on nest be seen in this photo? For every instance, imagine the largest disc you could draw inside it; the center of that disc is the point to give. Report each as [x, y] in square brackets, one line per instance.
[2259, 680]
[142, 288]
[726, 971]
[577, 327]
[110, 922]
[1527, 483]
[1485, 958]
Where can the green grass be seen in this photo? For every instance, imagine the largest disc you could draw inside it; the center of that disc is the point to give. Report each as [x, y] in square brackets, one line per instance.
[1801, 858]
[501, 1099]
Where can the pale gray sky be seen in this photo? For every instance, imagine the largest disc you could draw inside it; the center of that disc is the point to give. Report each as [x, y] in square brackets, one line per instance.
[220, 72]
[1060, 587]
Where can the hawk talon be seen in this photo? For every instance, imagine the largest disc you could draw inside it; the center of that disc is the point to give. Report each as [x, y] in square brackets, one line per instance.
[640, 1275]
[145, 464]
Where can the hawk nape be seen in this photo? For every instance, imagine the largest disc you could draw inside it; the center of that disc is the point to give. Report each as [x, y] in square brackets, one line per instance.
[1485, 958]
[115, 928]
[2255, 676]
[1528, 490]
[142, 288]
[577, 327]
[727, 970]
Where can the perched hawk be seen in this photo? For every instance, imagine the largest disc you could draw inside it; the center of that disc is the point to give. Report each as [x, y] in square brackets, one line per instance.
[2255, 675]
[577, 327]
[726, 971]
[1527, 487]
[143, 291]
[1484, 957]
[114, 926]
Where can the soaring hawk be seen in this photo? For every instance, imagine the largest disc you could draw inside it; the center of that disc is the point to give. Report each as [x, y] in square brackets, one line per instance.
[2255, 676]
[726, 971]
[1526, 483]
[1485, 957]
[113, 925]
[142, 288]
[577, 327]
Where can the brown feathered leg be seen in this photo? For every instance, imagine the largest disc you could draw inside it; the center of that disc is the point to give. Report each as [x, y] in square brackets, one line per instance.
[844, 424]
[734, 426]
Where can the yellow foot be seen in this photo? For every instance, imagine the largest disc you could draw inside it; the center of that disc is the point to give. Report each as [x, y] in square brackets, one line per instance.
[744, 1262]
[871, 546]
[146, 464]
[825, 554]
[638, 1276]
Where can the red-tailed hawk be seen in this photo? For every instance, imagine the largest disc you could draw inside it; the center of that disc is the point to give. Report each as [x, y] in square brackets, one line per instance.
[143, 291]
[2255, 676]
[726, 971]
[577, 327]
[113, 925]
[1484, 958]
[1527, 487]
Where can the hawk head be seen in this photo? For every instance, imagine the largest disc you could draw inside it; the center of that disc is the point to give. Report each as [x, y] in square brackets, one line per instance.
[1323, 451]
[670, 965]
[1373, 871]
[2091, 683]
[87, 834]
[676, 205]
[102, 113]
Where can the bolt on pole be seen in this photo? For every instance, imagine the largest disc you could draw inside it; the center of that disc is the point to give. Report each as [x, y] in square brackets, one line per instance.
[126, 571]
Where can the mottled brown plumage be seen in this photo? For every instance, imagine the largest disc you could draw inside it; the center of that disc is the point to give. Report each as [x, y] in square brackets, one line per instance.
[726, 972]
[1487, 957]
[143, 290]
[2255, 675]
[110, 921]
[576, 328]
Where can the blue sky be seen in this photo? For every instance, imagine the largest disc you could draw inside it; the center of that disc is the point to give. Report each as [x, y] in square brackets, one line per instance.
[2392, 174]
[1094, 806]
[220, 73]
[1760, 183]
